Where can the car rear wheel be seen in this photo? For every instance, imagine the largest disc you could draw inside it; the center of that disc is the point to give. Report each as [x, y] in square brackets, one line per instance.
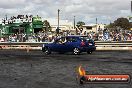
[47, 51]
[76, 51]
[89, 52]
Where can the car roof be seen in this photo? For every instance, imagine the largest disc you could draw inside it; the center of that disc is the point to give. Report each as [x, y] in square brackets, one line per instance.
[76, 36]
[73, 36]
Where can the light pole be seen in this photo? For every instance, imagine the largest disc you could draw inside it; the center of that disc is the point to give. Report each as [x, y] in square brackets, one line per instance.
[6, 17]
[58, 17]
[57, 30]
[74, 22]
[96, 25]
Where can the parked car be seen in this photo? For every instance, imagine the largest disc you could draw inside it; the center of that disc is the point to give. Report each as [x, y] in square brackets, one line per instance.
[75, 44]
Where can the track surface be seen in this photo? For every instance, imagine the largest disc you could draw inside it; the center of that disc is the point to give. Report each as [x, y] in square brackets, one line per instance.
[19, 69]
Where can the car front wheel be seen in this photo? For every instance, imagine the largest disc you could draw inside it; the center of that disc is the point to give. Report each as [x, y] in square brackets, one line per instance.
[76, 51]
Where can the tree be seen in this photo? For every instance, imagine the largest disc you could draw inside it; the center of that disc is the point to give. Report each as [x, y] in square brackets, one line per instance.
[122, 23]
[111, 25]
[47, 26]
[79, 25]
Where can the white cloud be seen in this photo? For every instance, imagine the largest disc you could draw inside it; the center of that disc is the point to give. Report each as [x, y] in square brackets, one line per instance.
[12, 3]
[84, 10]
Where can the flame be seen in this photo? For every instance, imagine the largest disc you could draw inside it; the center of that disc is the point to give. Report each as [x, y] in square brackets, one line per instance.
[81, 71]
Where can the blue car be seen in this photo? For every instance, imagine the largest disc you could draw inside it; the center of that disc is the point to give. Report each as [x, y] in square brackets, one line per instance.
[75, 44]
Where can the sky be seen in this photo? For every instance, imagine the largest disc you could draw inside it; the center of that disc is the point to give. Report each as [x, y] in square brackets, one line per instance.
[105, 11]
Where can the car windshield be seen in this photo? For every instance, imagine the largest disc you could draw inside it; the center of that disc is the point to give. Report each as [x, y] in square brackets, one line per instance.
[85, 38]
[71, 39]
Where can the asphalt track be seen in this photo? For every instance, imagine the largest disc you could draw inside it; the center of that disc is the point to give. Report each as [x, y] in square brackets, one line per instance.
[19, 69]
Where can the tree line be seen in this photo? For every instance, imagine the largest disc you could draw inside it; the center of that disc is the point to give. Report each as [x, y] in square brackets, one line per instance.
[119, 23]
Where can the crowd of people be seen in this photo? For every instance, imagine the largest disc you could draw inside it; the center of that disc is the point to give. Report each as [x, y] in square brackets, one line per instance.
[111, 36]
[49, 36]
[26, 38]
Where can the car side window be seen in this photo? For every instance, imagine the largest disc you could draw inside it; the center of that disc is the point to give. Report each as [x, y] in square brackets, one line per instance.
[71, 39]
[61, 40]
[74, 40]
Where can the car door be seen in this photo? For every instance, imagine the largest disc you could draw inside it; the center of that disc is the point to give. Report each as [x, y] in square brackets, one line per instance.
[59, 45]
[69, 45]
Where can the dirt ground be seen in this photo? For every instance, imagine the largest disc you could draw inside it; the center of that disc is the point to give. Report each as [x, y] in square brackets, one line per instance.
[19, 69]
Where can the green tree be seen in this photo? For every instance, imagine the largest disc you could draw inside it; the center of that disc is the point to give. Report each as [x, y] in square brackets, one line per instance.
[111, 25]
[122, 23]
[80, 24]
[47, 26]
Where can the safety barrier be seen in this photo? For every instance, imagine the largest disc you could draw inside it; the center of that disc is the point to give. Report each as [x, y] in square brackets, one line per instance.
[100, 45]
[113, 45]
